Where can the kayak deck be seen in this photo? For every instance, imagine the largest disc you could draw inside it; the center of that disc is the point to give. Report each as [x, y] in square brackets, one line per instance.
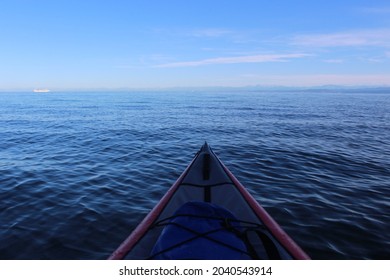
[207, 179]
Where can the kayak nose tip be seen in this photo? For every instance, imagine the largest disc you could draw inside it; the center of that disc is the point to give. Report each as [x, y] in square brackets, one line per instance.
[205, 146]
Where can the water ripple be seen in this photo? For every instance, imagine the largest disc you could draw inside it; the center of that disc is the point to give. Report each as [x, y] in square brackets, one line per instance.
[78, 171]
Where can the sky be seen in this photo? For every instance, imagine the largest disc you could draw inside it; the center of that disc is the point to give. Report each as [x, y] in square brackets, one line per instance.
[67, 44]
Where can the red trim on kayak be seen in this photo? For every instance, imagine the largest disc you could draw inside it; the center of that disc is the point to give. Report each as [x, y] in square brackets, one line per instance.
[143, 227]
[268, 221]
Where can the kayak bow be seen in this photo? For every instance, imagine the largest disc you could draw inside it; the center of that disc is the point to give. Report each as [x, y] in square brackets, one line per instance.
[208, 185]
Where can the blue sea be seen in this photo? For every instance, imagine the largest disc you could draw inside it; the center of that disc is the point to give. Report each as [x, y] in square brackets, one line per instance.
[79, 170]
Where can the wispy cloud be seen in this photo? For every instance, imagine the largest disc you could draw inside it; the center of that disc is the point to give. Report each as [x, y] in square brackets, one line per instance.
[355, 38]
[211, 32]
[335, 61]
[236, 59]
[376, 10]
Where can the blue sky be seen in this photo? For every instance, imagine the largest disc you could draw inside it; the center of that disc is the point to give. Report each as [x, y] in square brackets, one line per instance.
[144, 44]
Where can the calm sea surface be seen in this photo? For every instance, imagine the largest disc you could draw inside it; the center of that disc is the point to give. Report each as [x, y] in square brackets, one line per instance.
[78, 171]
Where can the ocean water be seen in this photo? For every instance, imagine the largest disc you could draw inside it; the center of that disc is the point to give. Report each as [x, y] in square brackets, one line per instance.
[78, 171]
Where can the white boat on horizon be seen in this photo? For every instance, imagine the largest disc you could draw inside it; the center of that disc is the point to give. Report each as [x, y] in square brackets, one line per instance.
[41, 90]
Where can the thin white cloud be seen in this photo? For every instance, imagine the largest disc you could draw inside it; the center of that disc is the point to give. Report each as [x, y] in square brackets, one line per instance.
[235, 60]
[355, 38]
[211, 32]
[375, 60]
[333, 61]
[376, 10]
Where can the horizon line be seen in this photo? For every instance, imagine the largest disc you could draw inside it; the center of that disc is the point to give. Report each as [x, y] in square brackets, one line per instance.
[216, 87]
